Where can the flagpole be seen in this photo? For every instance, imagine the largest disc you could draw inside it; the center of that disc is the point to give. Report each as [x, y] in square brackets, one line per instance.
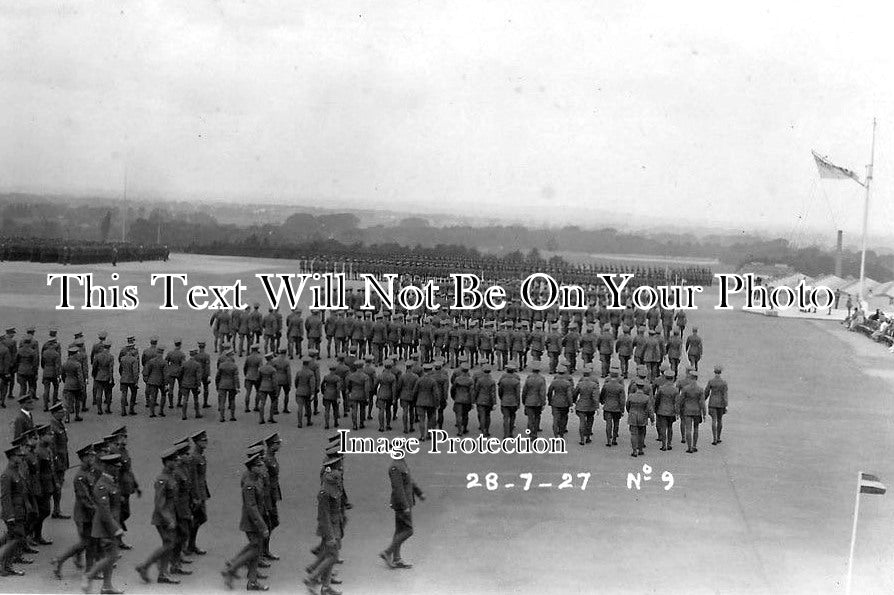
[850, 558]
[866, 213]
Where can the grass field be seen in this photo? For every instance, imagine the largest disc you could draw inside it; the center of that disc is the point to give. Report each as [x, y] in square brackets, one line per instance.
[767, 511]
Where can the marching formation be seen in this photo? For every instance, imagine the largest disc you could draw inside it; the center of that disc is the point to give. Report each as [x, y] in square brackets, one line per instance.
[406, 369]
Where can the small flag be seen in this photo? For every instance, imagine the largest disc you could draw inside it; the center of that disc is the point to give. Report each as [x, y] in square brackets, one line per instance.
[827, 169]
[869, 484]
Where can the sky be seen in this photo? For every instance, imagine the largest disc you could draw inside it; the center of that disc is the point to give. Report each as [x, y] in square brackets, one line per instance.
[700, 113]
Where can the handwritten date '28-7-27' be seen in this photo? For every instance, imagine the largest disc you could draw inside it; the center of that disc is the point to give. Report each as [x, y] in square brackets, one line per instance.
[580, 481]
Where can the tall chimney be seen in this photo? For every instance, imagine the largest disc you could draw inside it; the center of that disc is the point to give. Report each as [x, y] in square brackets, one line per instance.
[838, 254]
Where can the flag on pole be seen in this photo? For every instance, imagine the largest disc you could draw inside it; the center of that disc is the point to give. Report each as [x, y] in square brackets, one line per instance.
[869, 484]
[827, 169]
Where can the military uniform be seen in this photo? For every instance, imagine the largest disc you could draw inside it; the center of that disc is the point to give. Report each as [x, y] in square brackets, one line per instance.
[404, 492]
[509, 388]
[612, 397]
[585, 398]
[534, 399]
[252, 523]
[226, 381]
[716, 397]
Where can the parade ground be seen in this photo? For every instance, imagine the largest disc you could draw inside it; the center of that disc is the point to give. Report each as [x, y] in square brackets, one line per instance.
[769, 510]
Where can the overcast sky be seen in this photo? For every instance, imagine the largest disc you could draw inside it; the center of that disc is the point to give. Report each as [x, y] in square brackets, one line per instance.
[693, 112]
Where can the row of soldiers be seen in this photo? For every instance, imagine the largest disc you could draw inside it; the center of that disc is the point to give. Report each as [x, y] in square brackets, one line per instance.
[31, 484]
[77, 252]
[495, 268]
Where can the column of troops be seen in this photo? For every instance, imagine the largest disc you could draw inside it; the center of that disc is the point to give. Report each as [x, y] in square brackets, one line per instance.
[77, 251]
[493, 268]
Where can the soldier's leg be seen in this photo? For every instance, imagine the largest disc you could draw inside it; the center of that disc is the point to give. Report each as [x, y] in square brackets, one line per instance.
[197, 406]
[248, 385]
[458, 415]
[719, 424]
[183, 402]
[46, 395]
[682, 429]
[222, 403]
[696, 420]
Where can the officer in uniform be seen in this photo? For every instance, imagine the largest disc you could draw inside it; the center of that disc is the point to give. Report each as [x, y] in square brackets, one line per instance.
[386, 392]
[332, 388]
[154, 377]
[204, 360]
[106, 528]
[164, 518]
[250, 369]
[665, 410]
[585, 398]
[266, 388]
[406, 391]
[284, 384]
[612, 397]
[560, 398]
[694, 348]
[14, 507]
[197, 463]
[60, 456]
[404, 492]
[51, 366]
[252, 524]
[691, 407]
[24, 421]
[716, 396]
[305, 386]
[103, 374]
[509, 388]
[173, 371]
[226, 381]
[461, 392]
[426, 396]
[128, 375]
[484, 392]
[295, 332]
[190, 377]
[84, 508]
[272, 445]
[639, 409]
[330, 523]
[534, 399]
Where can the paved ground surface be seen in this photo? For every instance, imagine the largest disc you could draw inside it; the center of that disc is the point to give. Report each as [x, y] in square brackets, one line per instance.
[769, 510]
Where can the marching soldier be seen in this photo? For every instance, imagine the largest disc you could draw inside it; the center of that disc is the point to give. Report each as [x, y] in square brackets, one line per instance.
[694, 348]
[106, 528]
[639, 345]
[128, 375]
[585, 398]
[665, 410]
[14, 507]
[332, 388]
[674, 351]
[173, 372]
[406, 391]
[164, 518]
[266, 388]
[313, 326]
[461, 392]
[404, 492]
[84, 508]
[27, 364]
[612, 397]
[198, 465]
[103, 374]
[252, 524]
[250, 370]
[295, 333]
[73, 383]
[484, 392]
[509, 388]
[274, 493]
[154, 377]
[51, 366]
[283, 383]
[386, 392]
[60, 456]
[534, 399]
[204, 360]
[639, 409]
[560, 398]
[624, 348]
[190, 376]
[426, 396]
[226, 381]
[443, 380]
[182, 508]
[330, 522]
[691, 407]
[305, 390]
[716, 396]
